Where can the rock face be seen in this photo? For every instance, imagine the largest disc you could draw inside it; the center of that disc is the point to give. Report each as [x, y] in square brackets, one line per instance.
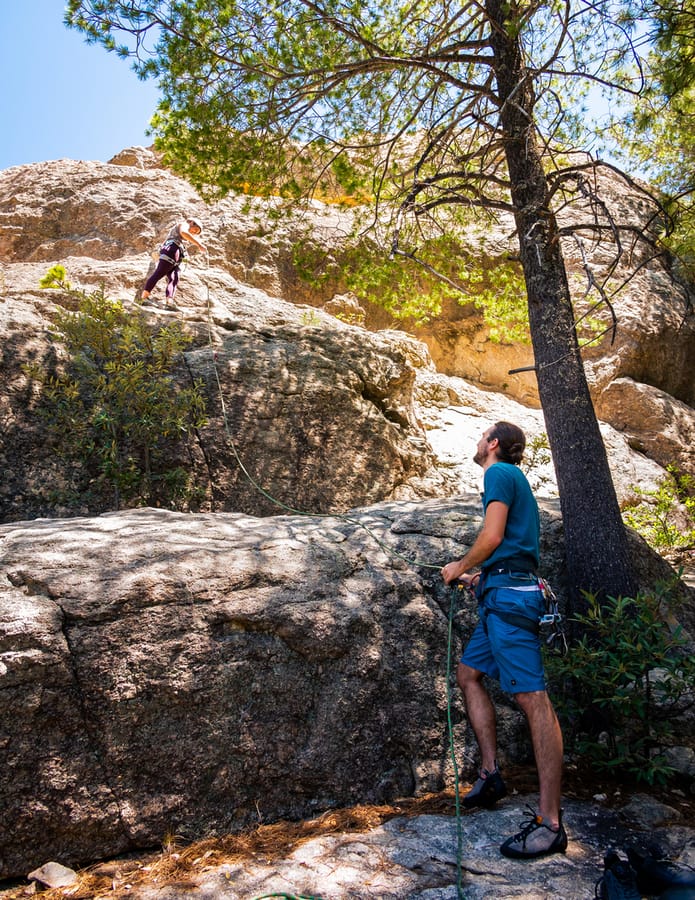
[162, 671]
[323, 417]
[165, 671]
[104, 220]
[323, 414]
[660, 427]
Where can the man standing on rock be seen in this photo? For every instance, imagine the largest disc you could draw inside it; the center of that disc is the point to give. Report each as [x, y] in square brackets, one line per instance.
[505, 643]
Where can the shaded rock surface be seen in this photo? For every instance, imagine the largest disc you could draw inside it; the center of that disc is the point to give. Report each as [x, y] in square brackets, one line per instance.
[160, 670]
[165, 671]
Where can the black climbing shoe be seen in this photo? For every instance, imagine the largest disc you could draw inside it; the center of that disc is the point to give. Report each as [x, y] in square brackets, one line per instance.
[618, 880]
[535, 839]
[488, 789]
[655, 875]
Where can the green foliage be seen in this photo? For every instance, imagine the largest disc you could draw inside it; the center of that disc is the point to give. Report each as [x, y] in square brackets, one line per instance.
[623, 684]
[310, 318]
[681, 238]
[658, 136]
[290, 98]
[314, 265]
[500, 292]
[56, 277]
[665, 516]
[656, 131]
[400, 286]
[408, 291]
[536, 458]
[411, 291]
[114, 408]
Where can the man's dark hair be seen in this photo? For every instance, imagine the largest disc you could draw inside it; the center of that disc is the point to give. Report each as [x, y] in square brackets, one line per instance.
[512, 442]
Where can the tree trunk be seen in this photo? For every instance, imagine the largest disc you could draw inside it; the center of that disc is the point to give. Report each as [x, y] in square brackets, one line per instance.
[595, 536]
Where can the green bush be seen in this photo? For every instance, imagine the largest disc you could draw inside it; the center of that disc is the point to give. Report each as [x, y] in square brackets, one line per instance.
[113, 407]
[416, 290]
[665, 516]
[537, 457]
[623, 684]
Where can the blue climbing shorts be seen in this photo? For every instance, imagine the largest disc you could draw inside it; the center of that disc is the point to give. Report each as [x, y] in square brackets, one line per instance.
[507, 652]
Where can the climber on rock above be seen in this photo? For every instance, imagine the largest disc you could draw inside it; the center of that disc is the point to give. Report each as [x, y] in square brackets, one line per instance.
[171, 253]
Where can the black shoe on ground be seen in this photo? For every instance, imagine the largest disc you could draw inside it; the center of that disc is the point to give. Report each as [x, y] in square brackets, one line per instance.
[535, 839]
[618, 880]
[488, 789]
[654, 874]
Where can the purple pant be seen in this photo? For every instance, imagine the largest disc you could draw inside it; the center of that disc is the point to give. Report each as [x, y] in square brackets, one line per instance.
[169, 267]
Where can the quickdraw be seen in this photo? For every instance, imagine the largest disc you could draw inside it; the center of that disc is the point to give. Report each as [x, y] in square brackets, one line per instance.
[556, 640]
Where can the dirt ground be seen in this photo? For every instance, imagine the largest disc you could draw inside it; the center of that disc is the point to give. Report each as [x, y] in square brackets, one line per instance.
[117, 878]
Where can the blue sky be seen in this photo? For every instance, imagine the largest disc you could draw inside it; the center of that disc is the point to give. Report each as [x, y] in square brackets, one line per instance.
[60, 97]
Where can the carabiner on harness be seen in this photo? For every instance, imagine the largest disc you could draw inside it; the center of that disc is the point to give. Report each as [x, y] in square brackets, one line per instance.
[556, 640]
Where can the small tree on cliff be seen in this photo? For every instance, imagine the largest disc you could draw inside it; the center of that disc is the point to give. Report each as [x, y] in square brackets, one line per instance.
[433, 109]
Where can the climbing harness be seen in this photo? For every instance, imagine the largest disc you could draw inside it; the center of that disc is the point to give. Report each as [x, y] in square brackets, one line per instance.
[556, 639]
[552, 619]
[173, 251]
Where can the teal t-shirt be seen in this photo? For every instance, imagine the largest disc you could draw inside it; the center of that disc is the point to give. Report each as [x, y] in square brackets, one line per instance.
[520, 548]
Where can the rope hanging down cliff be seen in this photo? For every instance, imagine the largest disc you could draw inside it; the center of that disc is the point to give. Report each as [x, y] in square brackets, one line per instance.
[389, 550]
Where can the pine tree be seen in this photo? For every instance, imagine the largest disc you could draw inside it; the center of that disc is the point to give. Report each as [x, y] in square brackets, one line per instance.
[434, 110]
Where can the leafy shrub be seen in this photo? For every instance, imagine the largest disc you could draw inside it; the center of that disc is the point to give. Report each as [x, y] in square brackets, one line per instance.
[537, 458]
[623, 684]
[415, 290]
[665, 516]
[114, 408]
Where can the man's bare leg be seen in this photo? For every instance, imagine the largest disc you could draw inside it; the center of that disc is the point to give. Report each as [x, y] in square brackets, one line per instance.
[481, 713]
[489, 786]
[546, 738]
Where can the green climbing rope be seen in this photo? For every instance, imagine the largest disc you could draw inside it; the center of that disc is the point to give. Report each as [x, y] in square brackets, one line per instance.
[452, 748]
[290, 896]
[391, 551]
